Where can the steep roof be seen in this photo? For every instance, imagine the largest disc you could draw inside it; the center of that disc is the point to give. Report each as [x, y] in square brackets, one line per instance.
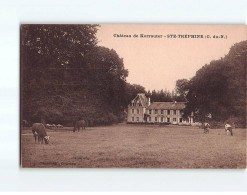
[142, 98]
[167, 105]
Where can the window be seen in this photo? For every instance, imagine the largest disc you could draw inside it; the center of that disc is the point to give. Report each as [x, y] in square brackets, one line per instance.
[133, 111]
[168, 111]
[137, 119]
[180, 120]
[174, 112]
[150, 118]
[150, 111]
[162, 119]
[168, 120]
[174, 119]
[137, 111]
[155, 119]
[133, 119]
[156, 111]
[162, 111]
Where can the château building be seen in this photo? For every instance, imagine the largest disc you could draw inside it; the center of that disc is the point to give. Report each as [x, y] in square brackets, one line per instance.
[141, 110]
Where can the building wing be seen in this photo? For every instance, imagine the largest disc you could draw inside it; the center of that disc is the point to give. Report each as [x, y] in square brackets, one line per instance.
[167, 106]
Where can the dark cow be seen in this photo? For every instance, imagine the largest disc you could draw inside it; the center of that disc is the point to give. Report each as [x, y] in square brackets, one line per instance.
[206, 127]
[228, 129]
[79, 124]
[39, 132]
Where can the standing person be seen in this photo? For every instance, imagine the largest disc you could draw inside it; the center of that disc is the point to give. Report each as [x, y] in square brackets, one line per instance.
[206, 127]
[228, 128]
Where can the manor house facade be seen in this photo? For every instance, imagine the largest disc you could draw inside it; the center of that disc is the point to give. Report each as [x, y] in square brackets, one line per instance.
[141, 110]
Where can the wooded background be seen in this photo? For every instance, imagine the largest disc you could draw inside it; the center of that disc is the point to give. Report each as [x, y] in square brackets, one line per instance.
[66, 76]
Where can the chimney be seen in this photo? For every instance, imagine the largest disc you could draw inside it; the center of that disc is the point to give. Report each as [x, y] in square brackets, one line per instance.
[149, 102]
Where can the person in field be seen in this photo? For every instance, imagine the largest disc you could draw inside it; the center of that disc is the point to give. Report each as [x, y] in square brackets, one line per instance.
[228, 129]
[206, 127]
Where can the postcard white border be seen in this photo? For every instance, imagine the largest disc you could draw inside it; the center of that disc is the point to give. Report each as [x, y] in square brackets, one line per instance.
[13, 13]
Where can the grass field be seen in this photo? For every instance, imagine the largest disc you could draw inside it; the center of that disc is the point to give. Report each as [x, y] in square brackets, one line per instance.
[136, 146]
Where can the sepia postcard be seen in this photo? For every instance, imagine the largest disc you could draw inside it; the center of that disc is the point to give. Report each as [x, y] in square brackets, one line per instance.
[133, 96]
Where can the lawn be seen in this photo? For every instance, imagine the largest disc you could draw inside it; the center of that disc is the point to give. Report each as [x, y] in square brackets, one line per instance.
[136, 146]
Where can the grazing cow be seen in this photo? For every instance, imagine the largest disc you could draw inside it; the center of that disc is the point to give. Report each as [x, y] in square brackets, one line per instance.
[39, 131]
[206, 127]
[79, 124]
[228, 129]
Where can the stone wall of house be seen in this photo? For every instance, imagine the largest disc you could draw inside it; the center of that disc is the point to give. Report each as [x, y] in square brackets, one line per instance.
[136, 114]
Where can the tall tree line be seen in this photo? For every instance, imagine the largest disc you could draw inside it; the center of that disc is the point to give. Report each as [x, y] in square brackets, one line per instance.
[65, 76]
[218, 90]
[164, 96]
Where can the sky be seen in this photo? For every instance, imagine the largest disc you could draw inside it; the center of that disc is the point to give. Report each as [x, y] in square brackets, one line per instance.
[157, 63]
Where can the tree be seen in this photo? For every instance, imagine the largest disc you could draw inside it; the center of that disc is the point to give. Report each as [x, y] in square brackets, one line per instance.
[182, 88]
[219, 88]
[66, 76]
[107, 75]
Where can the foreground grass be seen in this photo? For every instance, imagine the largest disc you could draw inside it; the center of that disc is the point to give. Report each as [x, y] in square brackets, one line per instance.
[136, 146]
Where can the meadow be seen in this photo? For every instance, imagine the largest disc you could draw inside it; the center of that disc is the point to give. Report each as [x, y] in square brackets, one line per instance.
[135, 146]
